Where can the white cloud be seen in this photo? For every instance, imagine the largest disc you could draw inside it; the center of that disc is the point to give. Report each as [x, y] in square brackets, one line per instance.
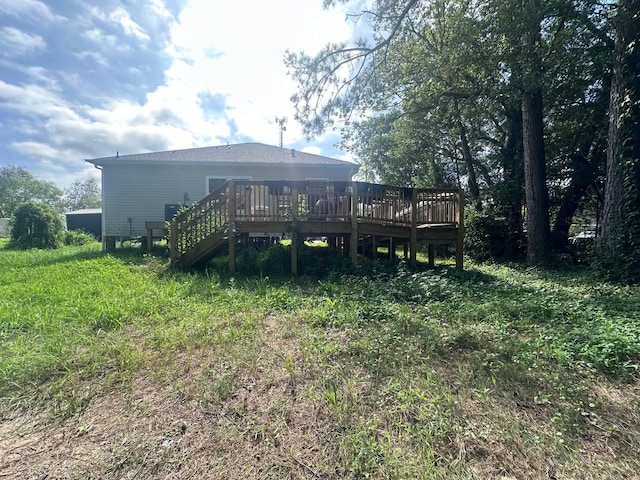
[95, 56]
[238, 51]
[230, 51]
[129, 27]
[160, 8]
[312, 149]
[37, 149]
[33, 9]
[103, 39]
[119, 18]
[33, 100]
[16, 43]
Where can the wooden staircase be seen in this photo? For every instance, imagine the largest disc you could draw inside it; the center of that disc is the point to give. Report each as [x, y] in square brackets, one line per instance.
[201, 231]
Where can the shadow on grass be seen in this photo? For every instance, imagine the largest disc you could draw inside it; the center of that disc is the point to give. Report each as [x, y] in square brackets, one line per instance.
[66, 254]
[323, 263]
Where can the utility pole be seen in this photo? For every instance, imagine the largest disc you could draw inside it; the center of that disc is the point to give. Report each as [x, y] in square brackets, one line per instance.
[281, 121]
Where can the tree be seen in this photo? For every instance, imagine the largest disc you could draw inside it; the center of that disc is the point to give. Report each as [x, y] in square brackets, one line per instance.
[36, 225]
[535, 176]
[83, 194]
[17, 185]
[619, 242]
[461, 85]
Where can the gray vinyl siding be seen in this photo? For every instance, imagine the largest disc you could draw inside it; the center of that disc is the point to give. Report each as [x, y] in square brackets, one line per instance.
[140, 191]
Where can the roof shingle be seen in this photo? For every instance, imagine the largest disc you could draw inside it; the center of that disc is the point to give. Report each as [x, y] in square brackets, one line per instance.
[242, 153]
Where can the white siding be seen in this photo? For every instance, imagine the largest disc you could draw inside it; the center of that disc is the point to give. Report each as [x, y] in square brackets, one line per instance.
[140, 192]
[5, 231]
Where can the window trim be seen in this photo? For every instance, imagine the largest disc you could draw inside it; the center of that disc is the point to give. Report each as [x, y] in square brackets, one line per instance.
[222, 177]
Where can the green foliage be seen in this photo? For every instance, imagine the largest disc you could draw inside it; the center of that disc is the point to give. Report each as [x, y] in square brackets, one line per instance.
[78, 238]
[436, 100]
[36, 225]
[485, 236]
[83, 194]
[17, 186]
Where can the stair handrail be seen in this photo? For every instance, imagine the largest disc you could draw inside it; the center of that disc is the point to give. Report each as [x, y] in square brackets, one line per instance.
[204, 218]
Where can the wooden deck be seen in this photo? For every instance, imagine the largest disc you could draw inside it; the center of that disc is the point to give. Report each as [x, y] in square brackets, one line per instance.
[349, 214]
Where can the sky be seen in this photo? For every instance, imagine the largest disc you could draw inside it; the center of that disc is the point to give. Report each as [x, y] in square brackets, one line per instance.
[86, 79]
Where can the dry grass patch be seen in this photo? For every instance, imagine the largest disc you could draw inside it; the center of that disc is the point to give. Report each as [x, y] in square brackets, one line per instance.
[263, 426]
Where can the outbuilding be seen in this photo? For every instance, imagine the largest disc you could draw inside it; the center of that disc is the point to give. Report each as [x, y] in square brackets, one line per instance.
[88, 220]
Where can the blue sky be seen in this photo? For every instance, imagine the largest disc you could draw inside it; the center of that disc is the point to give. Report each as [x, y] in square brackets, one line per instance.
[84, 79]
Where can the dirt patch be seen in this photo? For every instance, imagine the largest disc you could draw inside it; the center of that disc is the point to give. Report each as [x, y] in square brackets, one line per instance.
[267, 427]
[257, 409]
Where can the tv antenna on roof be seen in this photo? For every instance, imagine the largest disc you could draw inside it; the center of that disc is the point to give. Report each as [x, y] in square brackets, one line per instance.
[281, 121]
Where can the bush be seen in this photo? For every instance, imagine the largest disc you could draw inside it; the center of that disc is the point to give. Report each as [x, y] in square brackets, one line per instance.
[78, 237]
[484, 236]
[36, 225]
[489, 237]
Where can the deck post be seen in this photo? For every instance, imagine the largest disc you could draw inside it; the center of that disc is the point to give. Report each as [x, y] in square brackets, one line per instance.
[460, 239]
[432, 262]
[353, 247]
[173, 242]
[413, 240]
[232, 220]
[149, 238]
[294, 231]
[375, 247]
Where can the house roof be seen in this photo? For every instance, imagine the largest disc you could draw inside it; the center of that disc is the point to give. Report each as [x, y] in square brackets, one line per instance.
[238, 154]
[85, 211]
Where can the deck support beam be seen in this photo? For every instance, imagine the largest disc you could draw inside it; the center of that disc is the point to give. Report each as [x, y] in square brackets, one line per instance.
[460, 238]
[294, 253]
[413, 240]
[173, 242]
[354, 223]
[231, 235]
[294, 231]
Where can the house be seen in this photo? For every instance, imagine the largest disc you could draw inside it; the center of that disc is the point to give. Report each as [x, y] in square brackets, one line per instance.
[89, 220]
[151, 187]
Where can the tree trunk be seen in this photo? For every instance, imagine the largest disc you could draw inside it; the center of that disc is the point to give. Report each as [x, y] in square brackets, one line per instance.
[535, 173]
[619, 242]
[474, 190]
[535, 177]
[612, 211]
[512, 197]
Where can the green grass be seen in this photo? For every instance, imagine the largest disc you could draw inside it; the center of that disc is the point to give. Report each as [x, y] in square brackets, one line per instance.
[494, 372]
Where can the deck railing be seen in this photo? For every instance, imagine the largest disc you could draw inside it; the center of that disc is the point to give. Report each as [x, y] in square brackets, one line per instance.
[208, 217]
[315, 201]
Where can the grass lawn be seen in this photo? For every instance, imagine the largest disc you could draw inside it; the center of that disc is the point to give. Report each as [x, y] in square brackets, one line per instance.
[112, 366]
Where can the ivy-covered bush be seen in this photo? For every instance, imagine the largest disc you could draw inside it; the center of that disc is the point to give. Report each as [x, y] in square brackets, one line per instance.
[484, 236]
[36, 225]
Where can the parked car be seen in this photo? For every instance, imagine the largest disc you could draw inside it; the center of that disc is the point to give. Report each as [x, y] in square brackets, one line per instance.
[584, 237]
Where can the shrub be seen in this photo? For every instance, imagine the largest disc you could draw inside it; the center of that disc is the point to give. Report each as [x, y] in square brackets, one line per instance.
[78, 237]
[36, 225]
[490, 235]
[484, 236]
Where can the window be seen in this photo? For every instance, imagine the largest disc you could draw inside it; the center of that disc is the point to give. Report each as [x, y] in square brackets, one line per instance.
[214, 182]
